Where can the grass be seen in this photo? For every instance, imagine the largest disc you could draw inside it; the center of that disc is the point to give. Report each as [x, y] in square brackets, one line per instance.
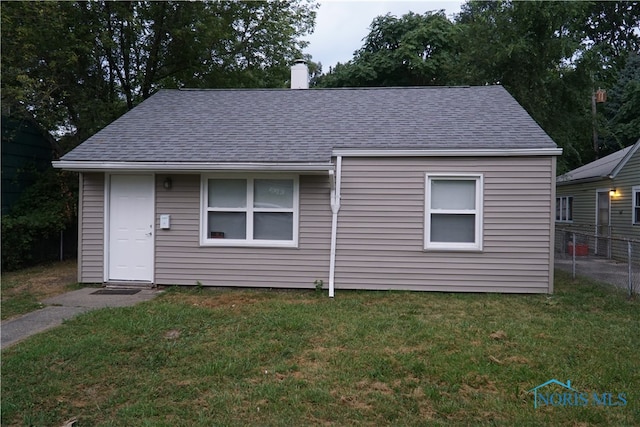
[23, 290]
[200, 358]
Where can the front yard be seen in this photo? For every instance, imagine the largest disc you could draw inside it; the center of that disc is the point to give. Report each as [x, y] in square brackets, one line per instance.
[201, 357]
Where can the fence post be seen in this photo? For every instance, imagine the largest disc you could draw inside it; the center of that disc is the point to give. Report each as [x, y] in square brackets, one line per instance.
[629, 261]
[573, 254]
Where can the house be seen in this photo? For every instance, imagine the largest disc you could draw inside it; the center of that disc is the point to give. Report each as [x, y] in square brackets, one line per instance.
[602, 199]
[418, 188]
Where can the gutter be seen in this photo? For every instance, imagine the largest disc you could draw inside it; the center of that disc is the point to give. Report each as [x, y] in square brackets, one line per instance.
[583, 180]
[90, 166]
[463, 152]
[335, 179]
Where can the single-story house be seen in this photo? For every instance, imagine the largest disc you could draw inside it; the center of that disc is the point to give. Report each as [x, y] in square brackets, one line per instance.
[602, 199]
[414, 188]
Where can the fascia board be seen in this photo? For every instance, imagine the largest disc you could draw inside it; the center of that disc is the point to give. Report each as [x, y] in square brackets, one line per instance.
[89, 166]
[624, 160]
[448, 153]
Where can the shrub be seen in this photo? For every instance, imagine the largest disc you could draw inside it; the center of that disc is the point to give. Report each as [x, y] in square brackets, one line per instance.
[42, 212]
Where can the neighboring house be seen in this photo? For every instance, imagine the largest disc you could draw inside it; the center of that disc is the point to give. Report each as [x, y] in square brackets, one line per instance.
[26, 149]
[422, 188]
[602, 198]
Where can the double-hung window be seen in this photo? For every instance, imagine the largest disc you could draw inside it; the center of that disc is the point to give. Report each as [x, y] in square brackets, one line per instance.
[564, 209]
[635, 208]
[249, 211]
[453, 212]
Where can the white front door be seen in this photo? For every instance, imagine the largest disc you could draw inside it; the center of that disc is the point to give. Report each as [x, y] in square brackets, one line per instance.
[130, 229]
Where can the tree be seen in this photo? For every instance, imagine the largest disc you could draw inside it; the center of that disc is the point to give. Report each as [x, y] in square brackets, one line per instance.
[414, 50]
[76, 66]
[622, 110]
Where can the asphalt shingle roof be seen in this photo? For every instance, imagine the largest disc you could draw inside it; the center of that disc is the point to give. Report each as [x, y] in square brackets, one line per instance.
[284, 125]
[601, 168]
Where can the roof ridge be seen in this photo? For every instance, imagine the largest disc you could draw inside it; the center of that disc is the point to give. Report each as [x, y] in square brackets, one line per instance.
[373, 88]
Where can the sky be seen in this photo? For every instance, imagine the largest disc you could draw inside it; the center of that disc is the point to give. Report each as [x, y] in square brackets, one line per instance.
[341, 26]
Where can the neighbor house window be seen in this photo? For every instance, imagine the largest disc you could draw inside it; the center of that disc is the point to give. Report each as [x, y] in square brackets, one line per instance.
[453, 213]
[249, 211]
[564, 209]
[636, 205]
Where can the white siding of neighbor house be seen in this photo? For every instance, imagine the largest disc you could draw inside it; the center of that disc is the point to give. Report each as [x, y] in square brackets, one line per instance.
[180, 260]
[584, 207]
[381, 226]
[91, 229]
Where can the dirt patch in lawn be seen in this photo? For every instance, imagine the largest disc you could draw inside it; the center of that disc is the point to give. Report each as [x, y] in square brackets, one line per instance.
[230, 299]
[42, 281]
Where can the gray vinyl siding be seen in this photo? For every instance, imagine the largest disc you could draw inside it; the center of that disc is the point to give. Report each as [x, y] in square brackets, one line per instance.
[381, 226]
[180, 260]
[91, 229]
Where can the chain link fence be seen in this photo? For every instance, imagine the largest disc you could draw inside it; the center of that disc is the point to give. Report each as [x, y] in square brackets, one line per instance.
[600, 254]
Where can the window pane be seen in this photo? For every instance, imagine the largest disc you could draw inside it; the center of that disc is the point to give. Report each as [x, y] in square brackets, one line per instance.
[453, 228]
[570, 209]
[558, 209]
[453, 194]
[227, 225]
[273, 193]
[227, 193]
[273, 226]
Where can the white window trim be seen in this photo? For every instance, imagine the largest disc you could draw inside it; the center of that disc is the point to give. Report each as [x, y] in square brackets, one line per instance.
[205, 240]
[566, 216]
[478, 211]
[634, 190]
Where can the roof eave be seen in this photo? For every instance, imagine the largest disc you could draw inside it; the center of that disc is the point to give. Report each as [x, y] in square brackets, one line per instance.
[506, 152]
[624, 160]
[581, 180]
[98, 166]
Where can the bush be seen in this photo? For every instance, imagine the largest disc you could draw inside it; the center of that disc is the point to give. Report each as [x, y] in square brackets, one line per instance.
[42, 212]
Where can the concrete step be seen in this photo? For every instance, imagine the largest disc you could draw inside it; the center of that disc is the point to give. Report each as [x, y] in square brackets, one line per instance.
[129, 285]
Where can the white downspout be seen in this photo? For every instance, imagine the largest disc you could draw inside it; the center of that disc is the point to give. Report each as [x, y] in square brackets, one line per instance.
[335, 208]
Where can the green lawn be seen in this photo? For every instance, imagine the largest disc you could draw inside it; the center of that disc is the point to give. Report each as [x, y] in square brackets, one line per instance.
[206, 358]
[23, 290]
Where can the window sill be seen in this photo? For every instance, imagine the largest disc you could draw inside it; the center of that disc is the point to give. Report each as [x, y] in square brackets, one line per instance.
[443, 248]
[230, 243]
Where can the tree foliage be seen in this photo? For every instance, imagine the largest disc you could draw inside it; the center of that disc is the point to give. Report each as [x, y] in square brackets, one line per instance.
[79, 65]
[42, 212]
[414, 50]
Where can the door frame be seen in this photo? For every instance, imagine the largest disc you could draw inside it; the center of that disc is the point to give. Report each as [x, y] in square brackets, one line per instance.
[598, 234]
[107, 225]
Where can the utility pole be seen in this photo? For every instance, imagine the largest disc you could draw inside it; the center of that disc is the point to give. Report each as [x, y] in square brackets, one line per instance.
[594, 111]
[597, 96]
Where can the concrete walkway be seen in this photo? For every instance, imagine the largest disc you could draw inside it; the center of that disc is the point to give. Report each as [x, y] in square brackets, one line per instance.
[64, 307]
